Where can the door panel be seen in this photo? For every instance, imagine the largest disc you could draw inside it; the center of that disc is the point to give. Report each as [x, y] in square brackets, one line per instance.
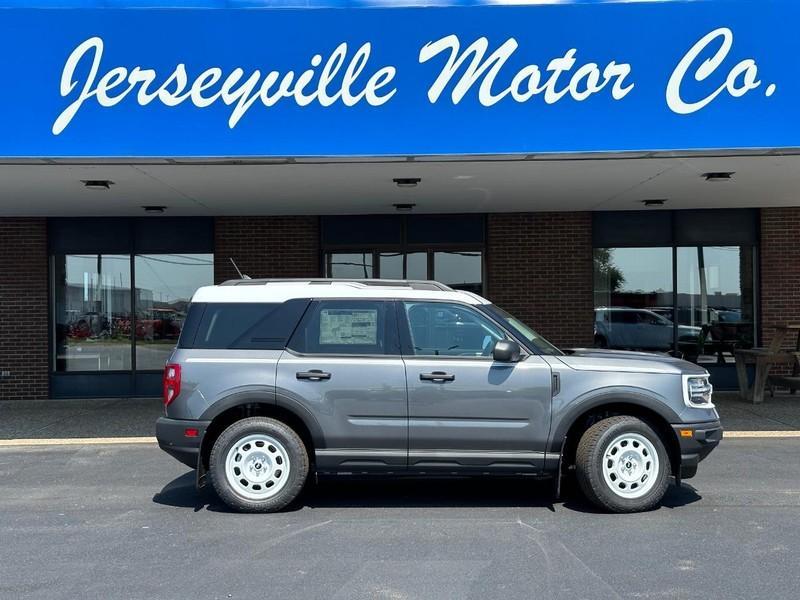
[343, 368]
[493, 415]
[465, 409]
[360, 407]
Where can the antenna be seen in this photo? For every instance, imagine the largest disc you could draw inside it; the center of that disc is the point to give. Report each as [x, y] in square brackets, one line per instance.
[241, 276]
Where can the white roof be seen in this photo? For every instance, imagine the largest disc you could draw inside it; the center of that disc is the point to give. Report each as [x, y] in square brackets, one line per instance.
[281, 291]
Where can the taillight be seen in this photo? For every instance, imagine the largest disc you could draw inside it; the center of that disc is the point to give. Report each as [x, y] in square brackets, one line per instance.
[172, 383]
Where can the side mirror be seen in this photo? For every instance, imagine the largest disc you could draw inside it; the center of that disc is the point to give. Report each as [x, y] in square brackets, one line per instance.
[506, 351]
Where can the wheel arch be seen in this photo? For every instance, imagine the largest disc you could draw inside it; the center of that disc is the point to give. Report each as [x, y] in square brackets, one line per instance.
[656, 414]
[242, 405]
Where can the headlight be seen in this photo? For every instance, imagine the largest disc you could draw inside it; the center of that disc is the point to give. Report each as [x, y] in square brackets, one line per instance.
[697, 391]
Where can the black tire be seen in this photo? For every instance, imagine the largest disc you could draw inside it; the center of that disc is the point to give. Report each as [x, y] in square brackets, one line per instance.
[591, 459]
[295, 452]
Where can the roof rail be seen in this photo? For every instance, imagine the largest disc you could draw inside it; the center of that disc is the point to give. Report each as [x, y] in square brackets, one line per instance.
[414, 284]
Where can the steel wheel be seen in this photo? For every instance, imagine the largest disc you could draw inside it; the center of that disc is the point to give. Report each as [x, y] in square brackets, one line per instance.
[622, 465]
[630, 465]
[257, 467]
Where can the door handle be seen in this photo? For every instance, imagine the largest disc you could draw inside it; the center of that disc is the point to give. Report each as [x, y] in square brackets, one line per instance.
[313, 375]
[437, 376]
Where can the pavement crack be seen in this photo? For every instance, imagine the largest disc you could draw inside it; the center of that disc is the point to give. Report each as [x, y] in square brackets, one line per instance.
[286, 536]
[550, 545]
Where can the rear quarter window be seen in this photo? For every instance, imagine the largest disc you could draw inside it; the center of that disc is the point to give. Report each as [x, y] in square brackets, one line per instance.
[242, 326]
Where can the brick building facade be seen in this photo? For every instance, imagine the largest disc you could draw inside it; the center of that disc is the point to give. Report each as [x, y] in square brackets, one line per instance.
[24, 339]
[537, 265]
[266, 247]
[780, 268]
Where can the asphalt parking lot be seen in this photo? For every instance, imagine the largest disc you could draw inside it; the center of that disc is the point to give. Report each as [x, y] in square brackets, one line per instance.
[124, 521]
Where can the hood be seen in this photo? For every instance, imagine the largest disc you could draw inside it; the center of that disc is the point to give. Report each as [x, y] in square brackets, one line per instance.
[598, 359]
[690, 329]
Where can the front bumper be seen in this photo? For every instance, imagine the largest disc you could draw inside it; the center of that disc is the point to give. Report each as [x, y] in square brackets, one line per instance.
[172, 438]
[696, 440]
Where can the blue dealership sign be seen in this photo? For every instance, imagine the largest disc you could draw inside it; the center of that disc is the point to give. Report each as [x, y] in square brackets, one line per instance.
[238, 82]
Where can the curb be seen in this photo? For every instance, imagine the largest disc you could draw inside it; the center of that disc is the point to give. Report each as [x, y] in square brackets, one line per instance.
[77, 441]
[761, 434]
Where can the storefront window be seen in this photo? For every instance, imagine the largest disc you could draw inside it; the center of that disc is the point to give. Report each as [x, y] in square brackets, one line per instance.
[715, 302]
[94, 324]
[391, 265]
[711, 312]
[119, 291]
[399, 265]
[447, 248]
[459, 270]
[633, 298]
[165, 284]
[92, 316]
[350, 265]
[417, 265]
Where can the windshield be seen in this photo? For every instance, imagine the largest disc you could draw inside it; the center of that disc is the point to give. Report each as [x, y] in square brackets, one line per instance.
[520, 328]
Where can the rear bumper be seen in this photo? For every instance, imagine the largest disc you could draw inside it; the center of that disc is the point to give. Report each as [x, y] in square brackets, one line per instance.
[695, 447]
[172, 439]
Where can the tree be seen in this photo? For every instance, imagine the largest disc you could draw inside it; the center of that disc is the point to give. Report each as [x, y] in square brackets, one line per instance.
[606, 272]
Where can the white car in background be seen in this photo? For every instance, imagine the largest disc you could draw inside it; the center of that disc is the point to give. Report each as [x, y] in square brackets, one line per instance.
[638, 329]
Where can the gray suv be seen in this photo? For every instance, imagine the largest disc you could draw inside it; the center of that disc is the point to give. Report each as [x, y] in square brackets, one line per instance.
[275, 379]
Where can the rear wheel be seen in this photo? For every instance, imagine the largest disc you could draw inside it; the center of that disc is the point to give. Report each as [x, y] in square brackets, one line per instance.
[258, 465]
[622, 465]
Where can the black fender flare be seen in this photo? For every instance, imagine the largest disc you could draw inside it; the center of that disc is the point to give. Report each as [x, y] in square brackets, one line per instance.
[606, 396]
[267, 395]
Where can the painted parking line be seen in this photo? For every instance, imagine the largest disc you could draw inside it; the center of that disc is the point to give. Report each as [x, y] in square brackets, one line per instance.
[151, 440]
[762, 434]
[76, 441]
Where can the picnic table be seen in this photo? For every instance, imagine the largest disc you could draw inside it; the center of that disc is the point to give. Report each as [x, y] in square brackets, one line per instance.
[764, 359]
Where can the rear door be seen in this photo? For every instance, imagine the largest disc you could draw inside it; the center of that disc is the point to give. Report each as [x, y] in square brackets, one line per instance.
[467, 411]
[343, 368]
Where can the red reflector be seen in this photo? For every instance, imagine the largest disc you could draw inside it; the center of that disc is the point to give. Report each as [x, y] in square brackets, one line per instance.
[172, 383]
[191, 432]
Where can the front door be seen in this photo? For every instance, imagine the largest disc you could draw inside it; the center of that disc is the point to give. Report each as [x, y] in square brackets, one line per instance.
[343, 369]
[465, 409]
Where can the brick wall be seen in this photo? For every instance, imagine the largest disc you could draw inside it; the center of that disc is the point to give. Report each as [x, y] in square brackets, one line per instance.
[539, 268]
[780, 268]
[266, 247]
[23, 309]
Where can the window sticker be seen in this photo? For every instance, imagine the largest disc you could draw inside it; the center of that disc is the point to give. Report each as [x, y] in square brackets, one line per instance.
[346, 326]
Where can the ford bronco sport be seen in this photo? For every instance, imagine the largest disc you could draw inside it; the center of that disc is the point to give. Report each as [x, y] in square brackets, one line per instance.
[274, 379]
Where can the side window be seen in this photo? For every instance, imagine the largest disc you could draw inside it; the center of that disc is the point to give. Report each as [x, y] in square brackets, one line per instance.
[442, 329]
[347, 327]
[649, 319]
[244, 326]
[624, 317]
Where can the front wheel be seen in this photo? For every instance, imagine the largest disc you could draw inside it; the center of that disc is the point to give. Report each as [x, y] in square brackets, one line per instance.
[622, 465]
[258, 465]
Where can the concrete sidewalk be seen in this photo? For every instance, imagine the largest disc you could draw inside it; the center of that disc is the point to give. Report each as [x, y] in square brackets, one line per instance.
[781, 413]
[135, 417]
[110, 418]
